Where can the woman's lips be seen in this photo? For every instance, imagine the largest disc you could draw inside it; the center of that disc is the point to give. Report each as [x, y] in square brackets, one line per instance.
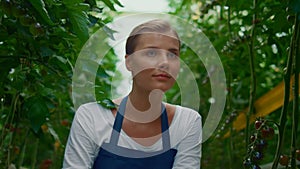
[162, 76]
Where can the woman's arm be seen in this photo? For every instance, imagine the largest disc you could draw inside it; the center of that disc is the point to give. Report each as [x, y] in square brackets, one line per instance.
[80, 148]
[189, 149]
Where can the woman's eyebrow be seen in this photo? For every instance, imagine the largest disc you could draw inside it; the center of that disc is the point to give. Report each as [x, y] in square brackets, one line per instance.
[152, 47]
[174, 50]
[157, 47]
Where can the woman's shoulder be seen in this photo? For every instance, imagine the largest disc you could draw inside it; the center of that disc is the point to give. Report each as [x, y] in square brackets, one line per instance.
[90, 106]
[184, 117]
[186, 112]
[186, 120]
[92, 109]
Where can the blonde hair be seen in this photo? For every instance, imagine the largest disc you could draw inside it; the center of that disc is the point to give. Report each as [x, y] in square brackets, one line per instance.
[152, 26]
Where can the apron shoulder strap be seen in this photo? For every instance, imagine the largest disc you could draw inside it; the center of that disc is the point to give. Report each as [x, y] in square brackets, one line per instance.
[114, 138]
[165, 128]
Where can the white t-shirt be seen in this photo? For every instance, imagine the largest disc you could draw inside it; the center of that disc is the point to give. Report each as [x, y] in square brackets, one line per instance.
[92, 126]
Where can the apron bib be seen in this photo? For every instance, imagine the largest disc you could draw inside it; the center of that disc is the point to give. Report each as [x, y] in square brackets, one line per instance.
[112, 156]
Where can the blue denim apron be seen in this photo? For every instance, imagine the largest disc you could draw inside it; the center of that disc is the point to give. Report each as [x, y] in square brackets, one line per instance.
[112, 156]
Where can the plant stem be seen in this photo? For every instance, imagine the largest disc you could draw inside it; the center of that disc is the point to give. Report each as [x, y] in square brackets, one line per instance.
[7, 120]
[23, 150]
[253, 77]
[34, 155]
[228, 20]
[12, 112]
[231, 148]
[295, 114]
[284, 110]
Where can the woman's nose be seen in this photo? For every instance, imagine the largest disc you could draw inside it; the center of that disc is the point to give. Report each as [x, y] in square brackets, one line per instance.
[163, 62]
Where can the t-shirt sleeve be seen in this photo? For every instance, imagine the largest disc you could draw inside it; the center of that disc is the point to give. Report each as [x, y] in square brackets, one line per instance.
[81, 146]
[189, 148]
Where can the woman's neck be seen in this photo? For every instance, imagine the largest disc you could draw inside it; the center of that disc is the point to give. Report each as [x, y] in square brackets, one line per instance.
[144, 106]
[142, 101]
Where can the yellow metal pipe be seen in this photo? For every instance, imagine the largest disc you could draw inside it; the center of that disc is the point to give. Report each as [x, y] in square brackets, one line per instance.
[264, 105]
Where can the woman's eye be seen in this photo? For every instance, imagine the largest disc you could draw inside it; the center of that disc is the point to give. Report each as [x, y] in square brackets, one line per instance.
[151, 53]
[171, 55]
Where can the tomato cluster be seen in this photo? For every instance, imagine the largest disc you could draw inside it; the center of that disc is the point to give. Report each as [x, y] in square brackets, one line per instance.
[46, 164]
[21, 12]
[263, 132]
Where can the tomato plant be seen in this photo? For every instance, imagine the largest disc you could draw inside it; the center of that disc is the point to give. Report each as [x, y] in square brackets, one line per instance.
[39, 44]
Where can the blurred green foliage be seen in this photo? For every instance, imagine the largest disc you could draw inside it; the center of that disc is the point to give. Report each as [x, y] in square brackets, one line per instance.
[41, 40]
[228, 26]
[39, 44]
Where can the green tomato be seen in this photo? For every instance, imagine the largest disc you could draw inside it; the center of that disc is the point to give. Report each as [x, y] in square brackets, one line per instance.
[36, 29]
[26, 20]
[6, 6]
[18, 11]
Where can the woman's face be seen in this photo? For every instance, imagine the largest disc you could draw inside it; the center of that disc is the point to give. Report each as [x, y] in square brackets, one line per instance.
[155, 63]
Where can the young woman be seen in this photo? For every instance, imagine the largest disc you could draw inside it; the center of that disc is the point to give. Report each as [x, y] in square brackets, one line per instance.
[143, 132]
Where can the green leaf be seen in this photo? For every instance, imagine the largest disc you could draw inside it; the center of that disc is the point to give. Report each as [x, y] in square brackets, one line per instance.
[107, 103]
[118, 3]
[93, 20]
[295, 5]
[36, 111]
[6, 64]
[39, 5]
[110, 32]
[61, 59]
[101, 73]
[79, 7]
[80, 21]
[92, 2]
[53, 132]
[45, 51]
[109, 4]
[72, 2]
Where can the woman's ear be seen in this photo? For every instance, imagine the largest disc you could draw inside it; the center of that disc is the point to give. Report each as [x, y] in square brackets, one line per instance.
[128, 62]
